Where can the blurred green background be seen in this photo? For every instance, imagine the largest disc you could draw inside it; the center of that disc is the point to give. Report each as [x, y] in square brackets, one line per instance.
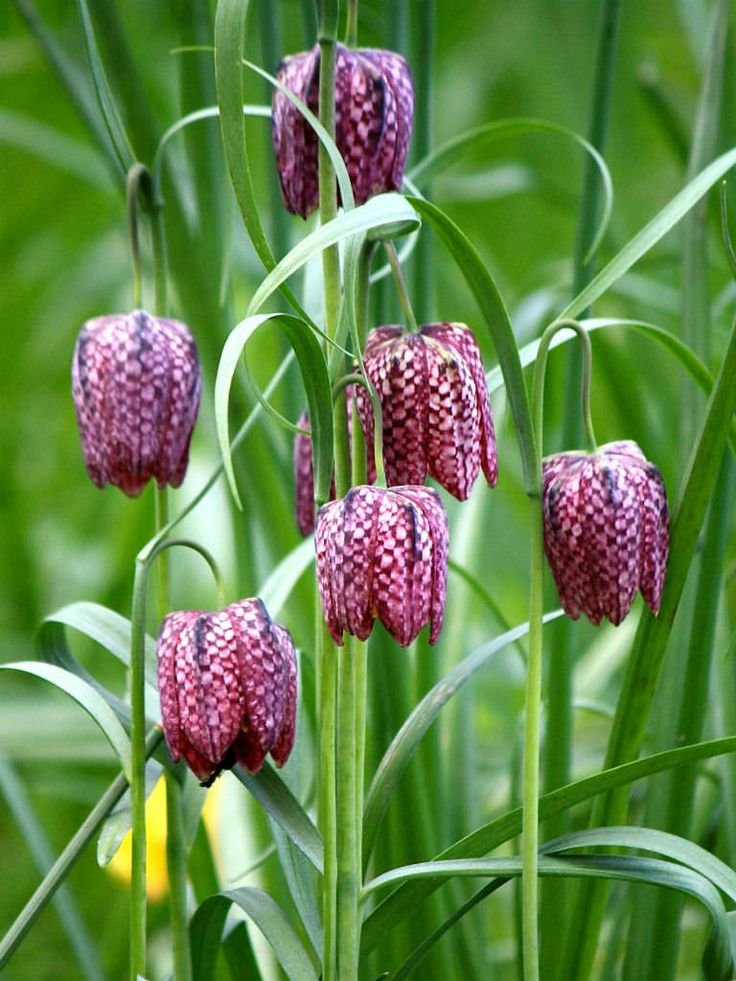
[64, 258]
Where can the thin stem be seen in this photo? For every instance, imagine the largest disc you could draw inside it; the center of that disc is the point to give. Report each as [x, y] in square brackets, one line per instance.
[327, 813]
[138, 775]
[725, 230]
[59, 871]
[176, 852]
[137, 176]
[540, 370]
[351, 26]
[422, 42]
[348, 836]
[530, 791]
[176, 865]
[327, 186]
[401, 286]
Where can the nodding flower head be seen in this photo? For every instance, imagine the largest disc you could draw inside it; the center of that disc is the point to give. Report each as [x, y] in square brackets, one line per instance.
[435, 408]
[227, 683]
[383, 554]
[136, 385]
[605, 530]
[374, 105]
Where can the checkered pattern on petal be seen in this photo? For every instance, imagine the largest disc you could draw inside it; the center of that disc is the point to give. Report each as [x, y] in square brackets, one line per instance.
[294, 141]
[605, 530]
[435, 407]
[136, 386]
[374, 104]
[459, 338]
[227, 682]
[383, 553]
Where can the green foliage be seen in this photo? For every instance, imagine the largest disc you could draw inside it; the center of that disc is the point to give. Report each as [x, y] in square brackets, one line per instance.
[510, 209]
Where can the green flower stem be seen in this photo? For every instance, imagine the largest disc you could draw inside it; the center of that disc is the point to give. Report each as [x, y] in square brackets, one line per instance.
[176, 852]
[328, 186]
[133, 186]
[351, 26]
[327, 813]
[327, 662]
[176, 866]
[138, 774]
[530, 789]
[348, 801]
[398, 275]
[421, 39]
[59, 871]
[540, 370]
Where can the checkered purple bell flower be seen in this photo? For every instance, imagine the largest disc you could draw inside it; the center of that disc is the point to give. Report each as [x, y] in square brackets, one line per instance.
[606, 530]
[136, 386]
[435, 407]
[383, 554]
[228, 688]
[374, 106]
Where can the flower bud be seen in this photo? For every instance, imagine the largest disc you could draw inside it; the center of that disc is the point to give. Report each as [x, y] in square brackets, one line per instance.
[383, 553]
[374, 105]
[605, 530]
[136, 385]
[227, 683]
[435, 407]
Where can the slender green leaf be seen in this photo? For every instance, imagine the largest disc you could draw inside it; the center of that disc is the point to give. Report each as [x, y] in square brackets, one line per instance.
[80, 940]
[649, 870]
[206, 933]
[476, 139]
[489, 300]
[385, 215]
[652, 233]
[652, 840]
[88, 698]
[313, 367]
[116, 131]
[272, 793]
[398, 754]
[508, 826]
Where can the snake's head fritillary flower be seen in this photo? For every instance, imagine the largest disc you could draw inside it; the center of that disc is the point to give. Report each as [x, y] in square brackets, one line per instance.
[304, 469]
[136, 385]
[374, 106]
[227, 683]
[605, 530]
[383, 554]
[435, 407]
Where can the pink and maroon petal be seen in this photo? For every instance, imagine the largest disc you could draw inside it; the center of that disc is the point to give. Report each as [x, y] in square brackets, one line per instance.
[655, 536]
[460, 338]
[453, 437]
[294, 140]
[398, 117]
[304, 477]
[281, 749]
[430, 504]
[360, 511]
[328, 542]
[401, 559]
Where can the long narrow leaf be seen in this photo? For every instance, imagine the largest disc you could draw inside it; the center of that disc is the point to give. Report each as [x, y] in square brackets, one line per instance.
[508, 826]
[313, 367]
[272, 793]
[206, 933]
[398, 754]
[87, 698]
[455, 149]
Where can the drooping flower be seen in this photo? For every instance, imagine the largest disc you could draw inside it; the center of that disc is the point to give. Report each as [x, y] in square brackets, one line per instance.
[383, 553]
[435, 407]
[374, 105]
[136, 385]
[605, 530]
[227, 683]
[304, 470]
